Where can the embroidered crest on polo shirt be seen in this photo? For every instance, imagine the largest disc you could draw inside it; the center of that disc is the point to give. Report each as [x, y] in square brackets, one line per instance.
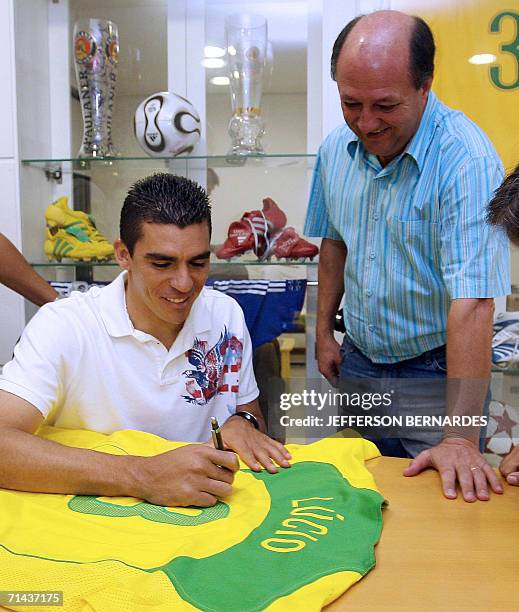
[215, 370]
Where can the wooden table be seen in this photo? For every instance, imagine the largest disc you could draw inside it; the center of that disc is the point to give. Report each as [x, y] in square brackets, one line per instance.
[436, 554]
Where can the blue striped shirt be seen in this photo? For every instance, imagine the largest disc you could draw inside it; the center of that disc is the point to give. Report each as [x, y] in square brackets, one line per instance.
[415, 230]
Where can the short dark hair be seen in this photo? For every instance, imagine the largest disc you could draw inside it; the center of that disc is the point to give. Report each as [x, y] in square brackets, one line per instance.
[162, 198]
[503, 209]
[339, 43]
[421, 50]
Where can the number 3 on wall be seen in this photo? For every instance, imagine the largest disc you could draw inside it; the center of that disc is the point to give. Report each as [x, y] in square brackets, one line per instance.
[511, 47]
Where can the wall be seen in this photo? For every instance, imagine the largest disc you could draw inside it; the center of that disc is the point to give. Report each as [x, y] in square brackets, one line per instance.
[34, 133]
[11, 305]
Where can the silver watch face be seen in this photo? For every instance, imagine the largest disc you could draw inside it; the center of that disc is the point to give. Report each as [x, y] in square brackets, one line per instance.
[248, 416]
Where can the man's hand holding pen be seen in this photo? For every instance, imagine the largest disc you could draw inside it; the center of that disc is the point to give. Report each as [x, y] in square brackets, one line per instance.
[200, 475]
[192, 475]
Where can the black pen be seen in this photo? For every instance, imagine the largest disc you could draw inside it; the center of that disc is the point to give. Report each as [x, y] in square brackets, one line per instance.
[216, 434]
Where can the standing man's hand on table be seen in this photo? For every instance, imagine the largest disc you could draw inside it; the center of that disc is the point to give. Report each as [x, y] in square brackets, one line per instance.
[510, 466]
[254, 448]
[458, 460]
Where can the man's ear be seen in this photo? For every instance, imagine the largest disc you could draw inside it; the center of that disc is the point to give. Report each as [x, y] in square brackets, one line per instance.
[426, 87]
[122, 255]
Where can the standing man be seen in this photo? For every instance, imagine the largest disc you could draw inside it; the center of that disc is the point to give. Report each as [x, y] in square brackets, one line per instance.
[153, 351]
[399, 197]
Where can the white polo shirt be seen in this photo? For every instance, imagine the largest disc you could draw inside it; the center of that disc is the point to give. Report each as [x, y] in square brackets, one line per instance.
[83, 365]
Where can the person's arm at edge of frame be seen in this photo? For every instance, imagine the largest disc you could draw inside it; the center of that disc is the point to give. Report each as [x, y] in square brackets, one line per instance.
[509, 467]
[191, 475]
[332, 257]
[17, 274]
[469, 336]
[254, 447]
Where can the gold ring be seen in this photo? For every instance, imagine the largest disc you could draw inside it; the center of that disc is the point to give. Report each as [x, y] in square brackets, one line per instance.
[475, 468]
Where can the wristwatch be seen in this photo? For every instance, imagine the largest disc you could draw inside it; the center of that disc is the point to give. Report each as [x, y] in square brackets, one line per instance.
[248, 416]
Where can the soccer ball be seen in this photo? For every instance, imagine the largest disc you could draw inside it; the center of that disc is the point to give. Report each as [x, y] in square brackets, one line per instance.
[166, 124]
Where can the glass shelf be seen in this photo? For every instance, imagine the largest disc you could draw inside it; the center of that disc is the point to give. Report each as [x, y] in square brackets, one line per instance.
[214, 161]
[77, 264]
[214, 264]
[102, 183]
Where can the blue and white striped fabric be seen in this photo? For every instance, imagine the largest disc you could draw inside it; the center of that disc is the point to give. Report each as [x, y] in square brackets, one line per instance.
[505, 342]
[269, 306]
[415, 230]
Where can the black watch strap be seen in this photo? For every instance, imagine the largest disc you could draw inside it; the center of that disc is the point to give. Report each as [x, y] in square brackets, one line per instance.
[248, 416]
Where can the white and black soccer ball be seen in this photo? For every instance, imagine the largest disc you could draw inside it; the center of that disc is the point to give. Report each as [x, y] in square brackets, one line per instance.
[166, 124]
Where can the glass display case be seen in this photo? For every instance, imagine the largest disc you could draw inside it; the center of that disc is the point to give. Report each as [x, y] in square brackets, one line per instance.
[236, 186]
[176, 46]
[163, 45]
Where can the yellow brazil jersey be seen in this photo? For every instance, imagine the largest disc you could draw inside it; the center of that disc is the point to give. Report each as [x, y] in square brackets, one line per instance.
[477, 63]
[297, 538]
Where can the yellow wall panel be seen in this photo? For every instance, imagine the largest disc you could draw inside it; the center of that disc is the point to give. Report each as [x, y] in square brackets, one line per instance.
[488, 93]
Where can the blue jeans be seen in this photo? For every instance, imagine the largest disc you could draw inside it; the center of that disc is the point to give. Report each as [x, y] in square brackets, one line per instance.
[426, 395]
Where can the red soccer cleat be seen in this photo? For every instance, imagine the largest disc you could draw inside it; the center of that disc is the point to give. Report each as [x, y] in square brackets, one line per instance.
[254, 231]
[240, 239]
[260, 227]
[290, 245]
[275, 217]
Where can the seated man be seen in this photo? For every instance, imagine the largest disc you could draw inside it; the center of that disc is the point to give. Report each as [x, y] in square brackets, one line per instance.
[153, 351]
[504, 211]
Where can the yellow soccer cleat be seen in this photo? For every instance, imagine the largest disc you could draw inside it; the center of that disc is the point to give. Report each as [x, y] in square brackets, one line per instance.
[59, 215]
[73, 243]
